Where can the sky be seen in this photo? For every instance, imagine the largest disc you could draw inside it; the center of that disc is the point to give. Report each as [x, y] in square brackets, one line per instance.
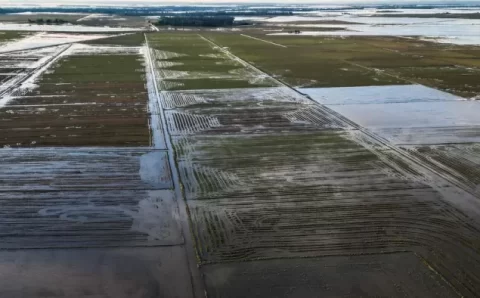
[157, 2]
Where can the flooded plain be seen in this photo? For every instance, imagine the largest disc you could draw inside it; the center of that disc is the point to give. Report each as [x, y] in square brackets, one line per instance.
[371, 23]
[87, 187]
[179, 164]
[251, 160]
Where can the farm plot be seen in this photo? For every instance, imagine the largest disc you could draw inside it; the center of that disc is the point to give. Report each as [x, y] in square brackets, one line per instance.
[438, 128]
[271, 175]
[6, 36]
[460, 162]
[128, 40]
[92, 96]
[18, 68]
[244, 110]
[410, 114]
[328, 277]
[87, 198]
[308, 63]
[360, 61]
[377, 95]
[189, 61]
[413, 115]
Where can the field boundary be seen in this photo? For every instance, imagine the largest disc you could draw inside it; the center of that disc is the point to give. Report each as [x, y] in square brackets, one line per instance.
[382, 72]
[270, 42]
[197, 284]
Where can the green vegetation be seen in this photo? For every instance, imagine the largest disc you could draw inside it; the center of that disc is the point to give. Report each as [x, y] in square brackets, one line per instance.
[9, 35]
[188, 61]
[186, 43]
[214, 84]
[90, 68]
[304, 61]
[203, 64]
[111, 97]
[359, 61]
[129, 40]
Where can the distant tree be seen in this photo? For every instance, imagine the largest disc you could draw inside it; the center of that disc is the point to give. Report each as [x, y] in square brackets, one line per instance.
[197, 21]
[41, 21]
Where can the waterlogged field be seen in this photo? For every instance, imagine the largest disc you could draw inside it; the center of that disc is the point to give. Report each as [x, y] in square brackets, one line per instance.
[195, 153]
[88, 199]
[268, 173]
[438, 128]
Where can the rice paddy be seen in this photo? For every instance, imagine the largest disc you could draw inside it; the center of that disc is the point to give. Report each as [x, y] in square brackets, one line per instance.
[91, 96]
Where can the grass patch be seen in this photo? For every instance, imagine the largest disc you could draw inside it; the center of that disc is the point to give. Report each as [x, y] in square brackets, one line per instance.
[91, 68]
[131, 40]
[360, 61]
[9, 35]
[199, 55]
[458, 80]
[194, 84]
[306, 63]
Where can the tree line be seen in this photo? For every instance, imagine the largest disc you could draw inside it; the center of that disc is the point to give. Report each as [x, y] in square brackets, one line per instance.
[196, 21]
[42, 21]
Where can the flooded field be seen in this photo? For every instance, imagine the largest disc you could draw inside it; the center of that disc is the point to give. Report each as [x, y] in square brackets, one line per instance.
[412, 115]
[437, 128]
[268, 173]
[243, 164]
[327, 277]
[462, 32]
[377, 95]
[87, 198]
[86, 188]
